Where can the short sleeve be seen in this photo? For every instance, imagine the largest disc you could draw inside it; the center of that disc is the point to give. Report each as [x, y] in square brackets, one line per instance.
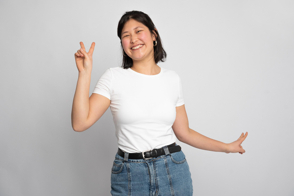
[180, 93]
[104, 84]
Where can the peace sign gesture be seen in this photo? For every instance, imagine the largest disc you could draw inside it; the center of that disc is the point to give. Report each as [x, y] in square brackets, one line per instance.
[84, 59]
[236, 145]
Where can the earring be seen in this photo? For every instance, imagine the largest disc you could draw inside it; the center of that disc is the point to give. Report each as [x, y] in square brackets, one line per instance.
[155, 43]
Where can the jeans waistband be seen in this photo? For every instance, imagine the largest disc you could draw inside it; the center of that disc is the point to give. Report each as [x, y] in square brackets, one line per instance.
[151, 153]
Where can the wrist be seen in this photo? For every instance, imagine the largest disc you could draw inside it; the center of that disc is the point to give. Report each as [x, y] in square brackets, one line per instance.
[227, 148]
[85, 72]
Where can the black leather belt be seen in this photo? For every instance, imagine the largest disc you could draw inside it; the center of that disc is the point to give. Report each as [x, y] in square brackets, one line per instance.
[151, 153]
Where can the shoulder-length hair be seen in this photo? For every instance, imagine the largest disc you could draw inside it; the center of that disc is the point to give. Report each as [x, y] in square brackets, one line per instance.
[159, 52]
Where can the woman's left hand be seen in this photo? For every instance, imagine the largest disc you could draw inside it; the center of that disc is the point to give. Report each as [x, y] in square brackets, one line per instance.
[236, 145]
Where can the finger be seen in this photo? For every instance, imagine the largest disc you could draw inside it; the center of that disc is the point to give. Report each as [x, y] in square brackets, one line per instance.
[82, 45]
[84, 53]
[77, 54]
[92, 48]
[80, 53]
[242, 150]
[240, 137]
[245, 136]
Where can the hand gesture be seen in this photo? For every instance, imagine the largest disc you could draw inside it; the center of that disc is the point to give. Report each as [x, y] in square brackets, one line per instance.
[236, 145]
[84, 59]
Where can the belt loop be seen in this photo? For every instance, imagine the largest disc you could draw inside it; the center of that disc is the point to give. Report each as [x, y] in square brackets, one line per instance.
[166, 151]
[126, 156]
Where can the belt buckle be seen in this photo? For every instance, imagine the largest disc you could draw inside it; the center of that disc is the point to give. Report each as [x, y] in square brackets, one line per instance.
[144, 155]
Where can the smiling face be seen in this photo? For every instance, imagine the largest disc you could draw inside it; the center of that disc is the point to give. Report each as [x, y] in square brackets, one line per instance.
[134, 34]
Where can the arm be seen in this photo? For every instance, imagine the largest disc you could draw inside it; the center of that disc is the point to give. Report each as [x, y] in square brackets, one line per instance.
[86, 111]
[200, 141]
[80, 107]
[197, 140]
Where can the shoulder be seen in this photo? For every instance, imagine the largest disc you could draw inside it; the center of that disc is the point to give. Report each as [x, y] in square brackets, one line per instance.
[171, 73]
[113, 70]
[117, 69]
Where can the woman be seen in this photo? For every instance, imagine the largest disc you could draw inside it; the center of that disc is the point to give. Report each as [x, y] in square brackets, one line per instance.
[148, 110]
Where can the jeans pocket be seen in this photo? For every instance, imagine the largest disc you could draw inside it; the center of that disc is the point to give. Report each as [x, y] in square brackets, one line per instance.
[178, 157]
[117, 166]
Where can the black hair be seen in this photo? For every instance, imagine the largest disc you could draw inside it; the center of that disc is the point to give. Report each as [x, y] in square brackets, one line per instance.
[159, 52]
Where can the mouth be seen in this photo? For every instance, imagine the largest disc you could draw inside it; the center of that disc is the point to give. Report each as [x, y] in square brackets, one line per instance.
[137, 47]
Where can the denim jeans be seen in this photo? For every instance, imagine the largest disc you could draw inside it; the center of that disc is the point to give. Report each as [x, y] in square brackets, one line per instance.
[166, 175]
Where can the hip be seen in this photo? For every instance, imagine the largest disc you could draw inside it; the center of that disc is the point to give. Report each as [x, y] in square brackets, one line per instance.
[168, 174]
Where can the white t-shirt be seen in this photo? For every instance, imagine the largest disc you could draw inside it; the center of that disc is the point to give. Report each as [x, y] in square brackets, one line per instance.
[143, 106]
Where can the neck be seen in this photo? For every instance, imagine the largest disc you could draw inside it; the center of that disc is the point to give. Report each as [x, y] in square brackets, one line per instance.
[146, 66]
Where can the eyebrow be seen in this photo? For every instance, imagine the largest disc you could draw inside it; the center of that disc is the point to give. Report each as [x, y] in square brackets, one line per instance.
[127, 31]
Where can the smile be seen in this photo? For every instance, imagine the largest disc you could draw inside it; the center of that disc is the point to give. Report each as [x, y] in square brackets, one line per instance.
[137, 47]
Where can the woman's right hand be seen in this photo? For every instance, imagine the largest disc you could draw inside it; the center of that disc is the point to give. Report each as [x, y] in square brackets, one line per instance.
[84, 59]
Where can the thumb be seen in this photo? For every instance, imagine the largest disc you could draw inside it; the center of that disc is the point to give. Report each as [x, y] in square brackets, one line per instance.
[242, 150]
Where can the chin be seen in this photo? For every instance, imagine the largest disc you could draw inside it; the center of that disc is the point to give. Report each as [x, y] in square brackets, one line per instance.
[136, 58]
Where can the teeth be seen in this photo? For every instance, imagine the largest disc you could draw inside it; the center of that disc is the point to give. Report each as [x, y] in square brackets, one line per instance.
[137, 47]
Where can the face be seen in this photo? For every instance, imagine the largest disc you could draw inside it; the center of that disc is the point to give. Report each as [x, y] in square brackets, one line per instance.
[135, 33]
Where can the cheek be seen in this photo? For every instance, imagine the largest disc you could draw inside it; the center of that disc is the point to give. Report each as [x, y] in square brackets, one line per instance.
[125, 44]
[144, 37]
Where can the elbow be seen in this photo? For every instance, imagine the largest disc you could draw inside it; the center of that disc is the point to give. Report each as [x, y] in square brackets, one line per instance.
[184, 137]
[77, 128]
[180, 138]
[80, 126]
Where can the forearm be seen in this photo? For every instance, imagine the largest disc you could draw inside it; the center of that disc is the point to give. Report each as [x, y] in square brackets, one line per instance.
[80, 107]
[200, 141]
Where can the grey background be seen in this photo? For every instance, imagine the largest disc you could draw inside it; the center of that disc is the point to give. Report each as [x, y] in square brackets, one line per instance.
[235, 59]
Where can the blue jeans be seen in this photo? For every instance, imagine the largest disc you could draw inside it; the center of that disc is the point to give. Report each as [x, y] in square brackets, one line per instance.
[166, 175]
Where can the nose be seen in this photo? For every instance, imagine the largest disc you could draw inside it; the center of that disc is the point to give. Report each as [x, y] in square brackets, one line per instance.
[133, 39]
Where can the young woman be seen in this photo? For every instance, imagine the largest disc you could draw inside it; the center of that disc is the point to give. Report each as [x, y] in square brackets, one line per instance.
[149, 113]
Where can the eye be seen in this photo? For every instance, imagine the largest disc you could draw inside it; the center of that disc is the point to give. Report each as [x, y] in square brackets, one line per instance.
[139, 30]
[125, 36]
